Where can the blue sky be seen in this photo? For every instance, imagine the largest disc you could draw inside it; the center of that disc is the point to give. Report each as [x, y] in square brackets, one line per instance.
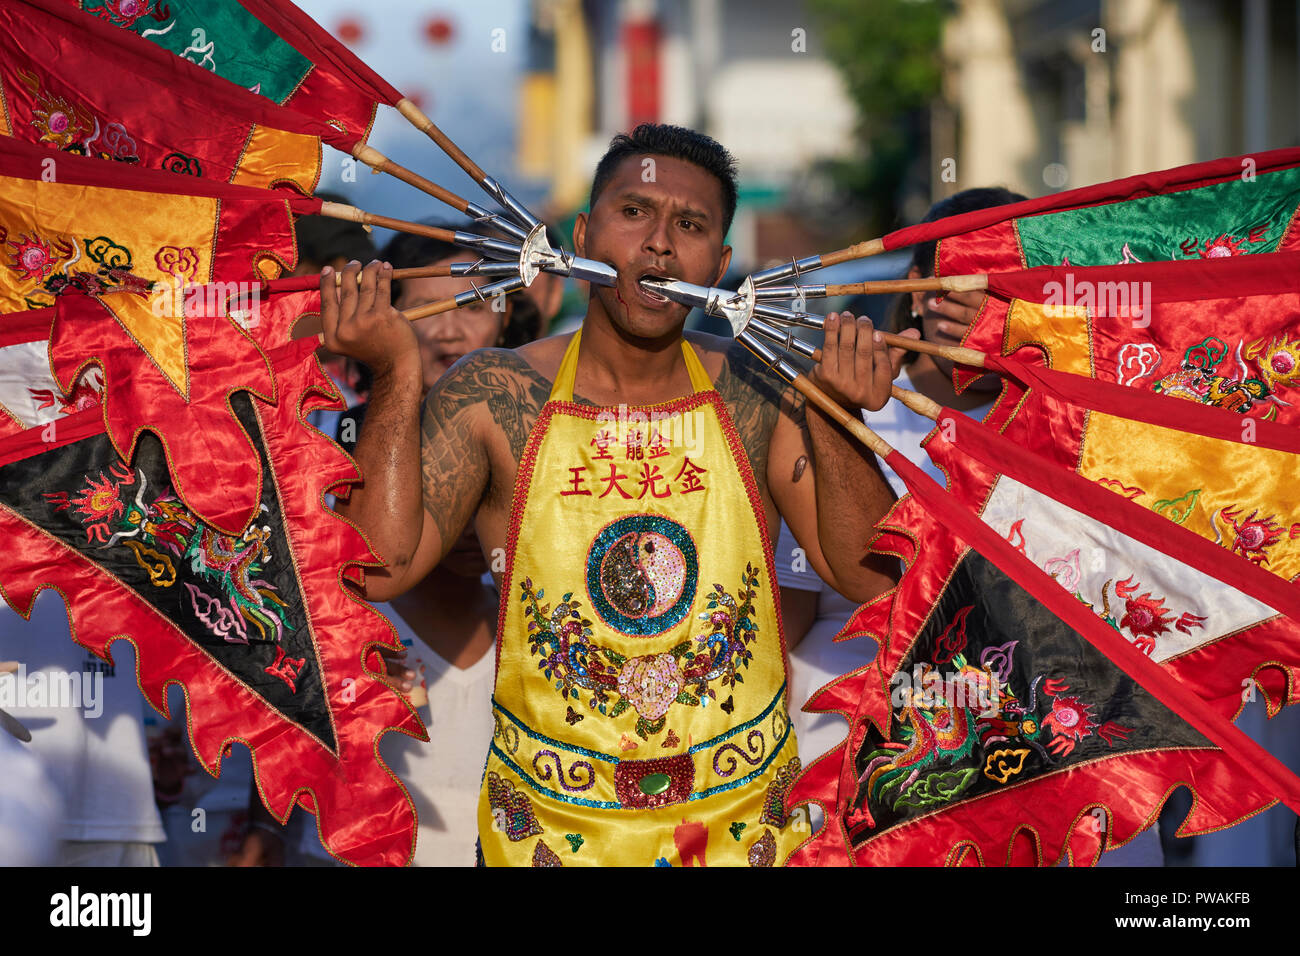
[468, 88]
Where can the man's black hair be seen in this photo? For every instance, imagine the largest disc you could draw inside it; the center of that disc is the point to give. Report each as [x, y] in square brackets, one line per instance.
[968, 200]
[656, 139]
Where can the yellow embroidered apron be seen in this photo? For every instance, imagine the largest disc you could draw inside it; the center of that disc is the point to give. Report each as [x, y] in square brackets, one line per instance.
[640, 702]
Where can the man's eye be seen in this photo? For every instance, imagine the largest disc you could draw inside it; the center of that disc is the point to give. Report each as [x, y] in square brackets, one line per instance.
[631, 211]
[689, 226]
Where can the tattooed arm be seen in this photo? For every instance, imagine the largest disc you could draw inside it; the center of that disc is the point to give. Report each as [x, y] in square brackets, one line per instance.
[490, 393]
[770, 419]
[425, 469]
[358, 319]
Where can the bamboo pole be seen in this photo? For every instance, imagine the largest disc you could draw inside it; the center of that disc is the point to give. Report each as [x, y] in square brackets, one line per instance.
[417, 118]
[312, 325]
[923, 405]
[338, 210]
[853, 423]
[966, 283]
[861, 250]
[382, 164]
[955, 353]
[416, 272]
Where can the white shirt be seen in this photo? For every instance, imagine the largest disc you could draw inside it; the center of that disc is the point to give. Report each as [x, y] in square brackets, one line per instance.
[443, 776]
[903, 429]
[98, 762]
[30, 807]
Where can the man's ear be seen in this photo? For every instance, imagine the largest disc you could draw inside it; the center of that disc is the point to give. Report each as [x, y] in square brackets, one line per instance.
[723, 264]
[580, 235]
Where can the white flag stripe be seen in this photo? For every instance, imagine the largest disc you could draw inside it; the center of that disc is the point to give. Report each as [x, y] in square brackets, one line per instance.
[1105, 567]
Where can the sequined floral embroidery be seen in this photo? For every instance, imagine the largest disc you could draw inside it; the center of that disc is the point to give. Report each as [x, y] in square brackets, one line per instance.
[543, 855]
[774, 802]
[762, 852]
[688, 674]
[512, 813]
[642, 572]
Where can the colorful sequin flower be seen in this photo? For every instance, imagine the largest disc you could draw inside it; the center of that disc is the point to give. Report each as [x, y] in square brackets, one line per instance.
[651, 684]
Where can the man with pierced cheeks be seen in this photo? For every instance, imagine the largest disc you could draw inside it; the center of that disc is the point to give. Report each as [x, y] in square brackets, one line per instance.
[640, 706]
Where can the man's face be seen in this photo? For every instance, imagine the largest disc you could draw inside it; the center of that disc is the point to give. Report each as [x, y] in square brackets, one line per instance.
[663, 219]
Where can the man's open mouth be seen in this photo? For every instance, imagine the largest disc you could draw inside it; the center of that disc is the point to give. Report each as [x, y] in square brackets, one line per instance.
[647, 289]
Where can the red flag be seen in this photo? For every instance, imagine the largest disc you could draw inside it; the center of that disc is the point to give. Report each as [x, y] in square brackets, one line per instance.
[996, 225]
[1105, 549]
[328, 53]
[1122, 401]
[77, 225]
[214, 465]
[262, 47]
[154, 226]
[1228, 487]
[1144, 326]
[271, 647]
[1226, 207]
[29, 394]
[146, 106]
[1002, 704]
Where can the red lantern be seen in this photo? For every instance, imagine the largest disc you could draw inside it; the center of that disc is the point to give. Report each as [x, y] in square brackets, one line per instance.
[438, 30]
[349, 31]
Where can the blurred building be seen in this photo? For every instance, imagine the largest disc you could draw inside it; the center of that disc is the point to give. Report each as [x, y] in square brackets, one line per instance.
[750, 73]
[1041, 95]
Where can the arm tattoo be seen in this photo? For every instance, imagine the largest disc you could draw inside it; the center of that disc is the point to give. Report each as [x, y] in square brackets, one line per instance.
[754, 398]
[453, 455]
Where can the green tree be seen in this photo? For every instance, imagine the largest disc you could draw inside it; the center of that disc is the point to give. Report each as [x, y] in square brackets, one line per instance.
[888, 52]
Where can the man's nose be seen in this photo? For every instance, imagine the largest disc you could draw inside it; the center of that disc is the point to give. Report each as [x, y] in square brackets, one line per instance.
[659, 240]
[447, 326]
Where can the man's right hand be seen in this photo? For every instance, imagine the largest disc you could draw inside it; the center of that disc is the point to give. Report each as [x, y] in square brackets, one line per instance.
[359, 319]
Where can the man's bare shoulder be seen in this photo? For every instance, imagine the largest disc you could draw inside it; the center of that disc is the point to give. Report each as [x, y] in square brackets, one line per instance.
[495, 389]
[753, 394]
[544, 355]
[737, 374]
[485, 370]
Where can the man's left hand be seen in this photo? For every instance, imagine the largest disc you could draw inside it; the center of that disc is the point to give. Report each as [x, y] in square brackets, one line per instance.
[857, 367]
